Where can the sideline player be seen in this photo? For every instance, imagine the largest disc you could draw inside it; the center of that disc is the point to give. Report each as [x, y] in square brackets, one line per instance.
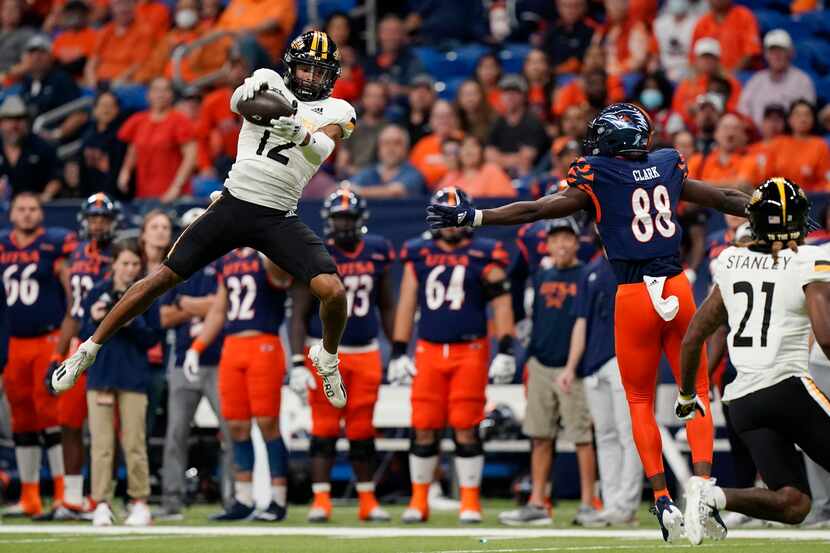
[771, 293]
[363, 262]
[633, 194]
[449, 277]
[249, 308]
[33, 264]
[88, 264]
[258, 207]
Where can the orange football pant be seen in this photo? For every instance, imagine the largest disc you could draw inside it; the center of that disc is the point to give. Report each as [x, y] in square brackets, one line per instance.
[251, 371]
[32, 407]
[641, 336]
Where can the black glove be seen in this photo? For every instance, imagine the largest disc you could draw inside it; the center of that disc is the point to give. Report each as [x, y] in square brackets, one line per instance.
[53, 366]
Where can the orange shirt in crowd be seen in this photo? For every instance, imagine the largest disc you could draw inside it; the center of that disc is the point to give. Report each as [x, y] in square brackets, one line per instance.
[801, 6]
[119, 49]
[196, 64]
[642, 10]
[71, 46]
[218, 128]
[805, 161]
[490, 181]
[246, 14]
[738, 34]
[427, 156]
[349, 86]
[627, 46]
[723, 169]
[573, 94]
[686, 93]
[155, 15]
[494, 99]
[158, 151]
[764, 155]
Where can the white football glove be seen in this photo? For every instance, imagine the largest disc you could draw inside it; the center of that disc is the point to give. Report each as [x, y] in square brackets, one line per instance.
[401, 370]
[502, 368]
[252, 85]
[687, 408]
[300, 381]
[290, 129]
[190, 366]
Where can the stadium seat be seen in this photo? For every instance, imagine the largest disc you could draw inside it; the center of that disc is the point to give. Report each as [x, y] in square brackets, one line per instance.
[769, 20]
[818, 52]
[448, 89]
[818, 22]
[744, 76]
[132, 97]
[513, 56]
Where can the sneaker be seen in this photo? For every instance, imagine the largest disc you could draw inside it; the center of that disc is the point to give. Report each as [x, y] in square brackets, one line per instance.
[469, 516]
[274, 513]
[73, 367]
[528, 514]
[585, 513]
[669, 517]
[140, 514]
[170, 513]
[59, 513]
[103, 515]
[330, 375]
[237, 511]
[376, 514]
[413, 515]
[701, 518]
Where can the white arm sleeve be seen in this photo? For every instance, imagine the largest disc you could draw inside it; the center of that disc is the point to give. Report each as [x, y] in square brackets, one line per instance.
[319, 147]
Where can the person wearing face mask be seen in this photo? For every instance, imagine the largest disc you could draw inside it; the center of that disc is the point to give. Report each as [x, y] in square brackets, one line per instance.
[118, 381]
[654, 93]
[673, 30]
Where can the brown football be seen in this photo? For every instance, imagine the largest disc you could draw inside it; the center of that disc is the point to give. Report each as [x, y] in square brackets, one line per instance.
[264, 106]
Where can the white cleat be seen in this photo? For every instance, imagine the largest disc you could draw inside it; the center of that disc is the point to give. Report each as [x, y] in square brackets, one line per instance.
[469, 517]
[317, 514]
[140, 515]
[378, 514]
[103, 515]
[701, 517]
[68, 372]
[329, 374]
[413, 516]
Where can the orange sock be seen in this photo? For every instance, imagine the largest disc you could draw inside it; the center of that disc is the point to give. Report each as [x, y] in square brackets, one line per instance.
[661, 493]
[322, 500]
[367, 502]
[420, 497]
[470, 499]
[57, 495]
[30, 498]
[596, 503]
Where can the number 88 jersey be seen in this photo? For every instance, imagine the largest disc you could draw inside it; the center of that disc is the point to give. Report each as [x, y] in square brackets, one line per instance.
[451, 298]
[635, 206]
[254, 304]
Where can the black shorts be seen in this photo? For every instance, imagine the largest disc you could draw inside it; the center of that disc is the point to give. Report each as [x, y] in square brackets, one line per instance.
[772, 421]
[231, 223]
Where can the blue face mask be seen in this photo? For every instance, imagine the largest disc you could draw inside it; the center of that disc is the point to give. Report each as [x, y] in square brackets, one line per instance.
[651, 98]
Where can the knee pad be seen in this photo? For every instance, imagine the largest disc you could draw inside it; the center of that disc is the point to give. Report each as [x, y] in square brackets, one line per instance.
[362, 450]
[26, 439]
[51, 438]
[243, 456]
[277, 457]
[469, 450]
[424, 450]
[322, 447]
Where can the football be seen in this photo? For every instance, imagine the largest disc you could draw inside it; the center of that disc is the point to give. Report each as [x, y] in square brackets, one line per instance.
[265, 106]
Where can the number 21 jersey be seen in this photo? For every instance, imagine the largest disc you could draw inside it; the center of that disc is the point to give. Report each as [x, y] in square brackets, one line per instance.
[635, 206]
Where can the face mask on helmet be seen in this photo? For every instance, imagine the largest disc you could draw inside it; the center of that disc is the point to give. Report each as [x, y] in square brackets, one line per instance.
[313, 64]
[346, 231]
[100, 228]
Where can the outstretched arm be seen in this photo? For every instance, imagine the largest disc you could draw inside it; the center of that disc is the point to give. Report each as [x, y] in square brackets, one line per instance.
[818, 299]
[709, 317]
[726, 200]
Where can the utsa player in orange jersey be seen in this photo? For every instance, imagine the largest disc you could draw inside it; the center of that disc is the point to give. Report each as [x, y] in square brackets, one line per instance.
[450, 277]
[363, 262]
[249, 308]
[633, 194]
[33, 264]
[88, 264]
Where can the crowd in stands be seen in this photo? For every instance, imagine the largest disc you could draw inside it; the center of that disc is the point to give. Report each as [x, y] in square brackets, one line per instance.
[718, 85]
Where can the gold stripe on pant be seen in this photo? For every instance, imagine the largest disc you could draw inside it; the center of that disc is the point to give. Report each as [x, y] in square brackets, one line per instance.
[132, 409]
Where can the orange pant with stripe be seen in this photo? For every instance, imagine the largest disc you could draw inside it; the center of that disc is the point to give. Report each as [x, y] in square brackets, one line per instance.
[361, 373]
[32, 407]
[641, 337]
[251, 371]
[449, 387]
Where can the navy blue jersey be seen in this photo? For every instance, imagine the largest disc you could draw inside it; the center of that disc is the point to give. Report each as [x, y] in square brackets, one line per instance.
[34, 292]
[595, 303]
[554, 314]
[361, 271]
[202, 283]
[450, 286]
[253, 302]
[88, 265]
[635, 206]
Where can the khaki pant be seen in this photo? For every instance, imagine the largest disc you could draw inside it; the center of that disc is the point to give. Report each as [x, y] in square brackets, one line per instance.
[548, 406]
[132, 409]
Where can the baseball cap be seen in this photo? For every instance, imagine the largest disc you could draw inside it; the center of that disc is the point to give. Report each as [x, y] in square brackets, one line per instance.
[513, 82]
[778, 38]
[13, 108]
[39, 42]
[563, 223]
[707, 46]
[712, 99]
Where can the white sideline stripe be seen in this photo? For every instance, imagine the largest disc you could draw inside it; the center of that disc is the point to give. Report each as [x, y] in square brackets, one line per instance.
[609, 547]
[376, 532]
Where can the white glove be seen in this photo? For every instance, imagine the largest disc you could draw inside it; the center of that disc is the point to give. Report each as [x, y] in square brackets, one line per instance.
[524, 329]
[502, 368]
[290, 129]
[252, 85]
[300, 381]
[687, 408]
[191, 365]
[401, 371]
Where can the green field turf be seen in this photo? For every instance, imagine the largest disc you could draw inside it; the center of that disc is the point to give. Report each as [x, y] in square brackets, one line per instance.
[344, 534]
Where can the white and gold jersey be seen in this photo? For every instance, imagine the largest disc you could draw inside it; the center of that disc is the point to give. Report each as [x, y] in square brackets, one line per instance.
[769, 327]
[271, 171]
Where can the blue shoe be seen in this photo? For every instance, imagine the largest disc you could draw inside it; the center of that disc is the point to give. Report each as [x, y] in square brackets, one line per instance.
[237, 511]
[274, 513]
[670, 519]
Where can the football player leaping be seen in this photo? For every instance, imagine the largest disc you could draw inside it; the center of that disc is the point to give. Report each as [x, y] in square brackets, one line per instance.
[633, 194]
[771, 293]
[257, 207]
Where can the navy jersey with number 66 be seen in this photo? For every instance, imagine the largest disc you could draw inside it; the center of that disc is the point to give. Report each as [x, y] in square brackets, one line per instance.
[635, 205]
[253, 302]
